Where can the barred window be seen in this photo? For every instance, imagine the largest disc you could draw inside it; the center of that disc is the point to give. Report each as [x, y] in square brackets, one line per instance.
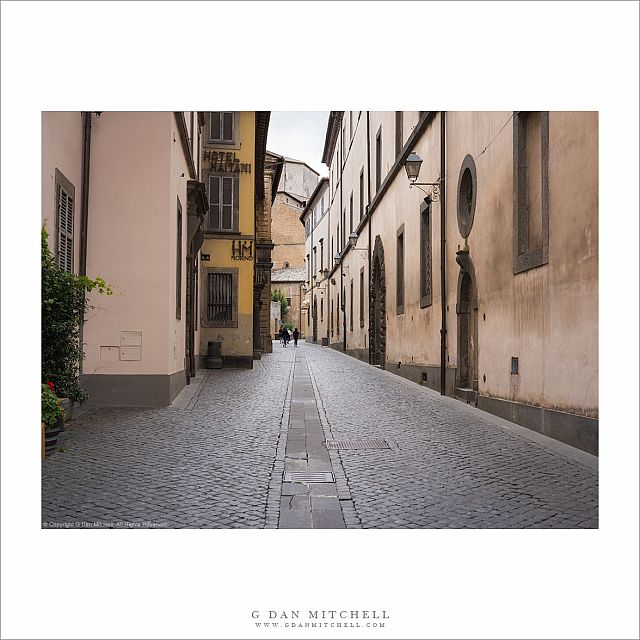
[221, 303]
[400, 271]
[425, 255]
[362, 297]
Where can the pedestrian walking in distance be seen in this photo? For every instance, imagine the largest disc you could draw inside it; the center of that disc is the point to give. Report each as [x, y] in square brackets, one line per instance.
[296, 335]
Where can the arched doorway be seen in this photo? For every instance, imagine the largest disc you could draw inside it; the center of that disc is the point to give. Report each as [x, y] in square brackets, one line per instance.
[315, 319]
[377, 307]
[467, 313]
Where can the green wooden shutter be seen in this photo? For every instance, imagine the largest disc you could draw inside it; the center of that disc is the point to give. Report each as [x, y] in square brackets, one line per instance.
[214, 125]
[227, 204]
[227, 126]
[214, 203]
[65, 229]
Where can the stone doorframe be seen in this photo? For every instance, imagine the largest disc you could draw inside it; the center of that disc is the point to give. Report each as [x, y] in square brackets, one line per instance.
[377, 294]
[467, 315]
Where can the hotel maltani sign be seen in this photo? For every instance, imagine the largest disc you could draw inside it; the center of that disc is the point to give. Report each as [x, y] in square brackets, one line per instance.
[225, 161]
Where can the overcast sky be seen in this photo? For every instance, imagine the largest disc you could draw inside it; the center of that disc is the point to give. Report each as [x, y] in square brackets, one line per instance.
[299, 135]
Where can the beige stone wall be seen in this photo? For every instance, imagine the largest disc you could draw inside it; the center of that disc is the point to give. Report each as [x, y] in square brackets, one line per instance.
[317, 287]
[62, 150]
[547, 316]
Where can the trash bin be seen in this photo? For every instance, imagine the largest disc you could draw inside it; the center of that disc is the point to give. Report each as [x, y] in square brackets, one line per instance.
[214, 355]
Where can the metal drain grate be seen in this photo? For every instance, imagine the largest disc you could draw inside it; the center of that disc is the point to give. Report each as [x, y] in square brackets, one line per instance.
[368, 443]
[308, 476]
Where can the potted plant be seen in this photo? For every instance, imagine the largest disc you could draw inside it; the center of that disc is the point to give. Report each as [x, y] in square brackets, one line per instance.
[65, 303]
[65, 402]
[52, 416]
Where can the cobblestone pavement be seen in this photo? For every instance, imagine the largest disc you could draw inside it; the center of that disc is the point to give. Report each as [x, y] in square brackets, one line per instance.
[450, 466]
[218, 462]
[207, 465]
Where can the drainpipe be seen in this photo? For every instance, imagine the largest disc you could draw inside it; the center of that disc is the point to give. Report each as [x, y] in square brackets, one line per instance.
[369, 223]
[443, 289]
[84, 205]
[343, 306]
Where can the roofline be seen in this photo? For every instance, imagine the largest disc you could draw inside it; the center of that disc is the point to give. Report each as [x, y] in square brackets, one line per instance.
[291, 195]
[294, 161]
[331, 137]
[307, 205]
[291, 161]
[277, 174]
[262, 129]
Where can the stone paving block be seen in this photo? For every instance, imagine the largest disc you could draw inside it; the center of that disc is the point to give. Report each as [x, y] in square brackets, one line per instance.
[328, 519]
[295, 519]
[294, 488]
[295, 465]
[328, 503]
[323, 489]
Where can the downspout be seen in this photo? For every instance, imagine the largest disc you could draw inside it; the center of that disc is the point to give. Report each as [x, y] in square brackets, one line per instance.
[369, 223]
[443, 289]
[84, 205]
[343, 306]
[327, 286]
[311, 267]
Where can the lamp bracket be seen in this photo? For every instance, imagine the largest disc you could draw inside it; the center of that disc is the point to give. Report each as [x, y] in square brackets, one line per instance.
[435, 191]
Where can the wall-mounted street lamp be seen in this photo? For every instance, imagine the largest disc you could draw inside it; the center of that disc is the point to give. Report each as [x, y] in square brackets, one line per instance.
[324, 273]
[353, 240]
[412, 166]
[336, 259]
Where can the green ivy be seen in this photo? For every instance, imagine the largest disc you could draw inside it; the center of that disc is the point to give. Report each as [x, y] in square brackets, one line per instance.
[278, 296]
[64, 306]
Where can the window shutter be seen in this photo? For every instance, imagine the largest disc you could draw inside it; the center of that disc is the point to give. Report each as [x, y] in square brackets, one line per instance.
[214, 200]
[65, 230]
[227, 204]
[227, 126]
[215, 125]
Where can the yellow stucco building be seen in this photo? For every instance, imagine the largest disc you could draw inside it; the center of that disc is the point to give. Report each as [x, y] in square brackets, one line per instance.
[232, 157]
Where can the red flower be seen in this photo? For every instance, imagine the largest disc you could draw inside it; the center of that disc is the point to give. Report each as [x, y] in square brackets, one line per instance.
[51, 386]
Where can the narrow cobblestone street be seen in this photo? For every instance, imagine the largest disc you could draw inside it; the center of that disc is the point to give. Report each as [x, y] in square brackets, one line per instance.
[400, 456]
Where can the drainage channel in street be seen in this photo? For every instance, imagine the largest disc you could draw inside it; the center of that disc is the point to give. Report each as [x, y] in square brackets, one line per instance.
[309, 497]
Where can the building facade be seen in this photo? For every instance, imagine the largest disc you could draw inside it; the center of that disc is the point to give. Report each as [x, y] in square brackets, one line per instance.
[172, 209]
[233, 275]
[296, 185]
[264, 246]
[291, 282]
[122, 198]
[318, 263]
[481, 279]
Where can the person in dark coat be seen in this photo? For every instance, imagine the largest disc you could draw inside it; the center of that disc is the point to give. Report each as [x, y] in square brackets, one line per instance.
[296, 335]
[283, 336]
